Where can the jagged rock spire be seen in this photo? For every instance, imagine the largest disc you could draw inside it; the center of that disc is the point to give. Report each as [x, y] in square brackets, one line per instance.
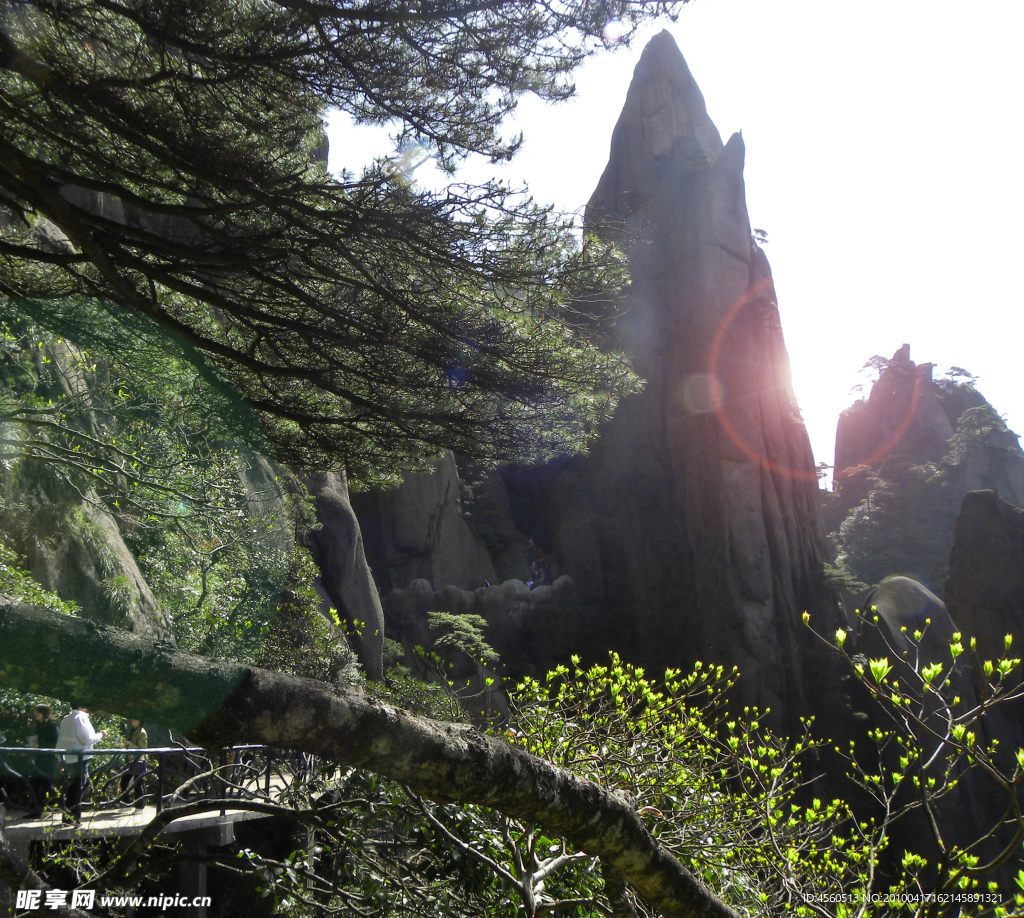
[691, 530]
[708, 474]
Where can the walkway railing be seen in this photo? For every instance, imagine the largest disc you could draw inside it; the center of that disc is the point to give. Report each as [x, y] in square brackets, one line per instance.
[172, 775]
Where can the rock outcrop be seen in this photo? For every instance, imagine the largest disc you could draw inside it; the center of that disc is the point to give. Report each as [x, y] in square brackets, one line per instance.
[84, 570]
[985, 589]
[910, 415]
[903, 412]
[906, 456]
[345, 581]
[691, 530]
[86, 561]
[72, 543]
[417, 532]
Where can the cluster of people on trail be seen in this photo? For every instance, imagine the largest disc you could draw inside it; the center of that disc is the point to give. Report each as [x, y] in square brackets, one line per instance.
[537, 564]
[76, 736]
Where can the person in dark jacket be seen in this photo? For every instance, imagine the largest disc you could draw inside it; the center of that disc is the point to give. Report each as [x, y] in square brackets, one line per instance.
[44, 766]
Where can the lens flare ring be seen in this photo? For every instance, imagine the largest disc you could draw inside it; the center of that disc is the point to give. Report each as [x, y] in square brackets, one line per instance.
[719, 395]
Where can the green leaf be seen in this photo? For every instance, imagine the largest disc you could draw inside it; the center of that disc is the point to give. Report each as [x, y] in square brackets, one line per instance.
[880, 669]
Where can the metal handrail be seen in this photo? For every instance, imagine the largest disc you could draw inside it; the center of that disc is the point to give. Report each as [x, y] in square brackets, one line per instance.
[232, 772]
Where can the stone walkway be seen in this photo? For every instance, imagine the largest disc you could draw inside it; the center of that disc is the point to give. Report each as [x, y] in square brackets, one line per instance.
[107, 823]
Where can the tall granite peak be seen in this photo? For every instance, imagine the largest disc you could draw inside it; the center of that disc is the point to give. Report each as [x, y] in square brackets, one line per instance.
[691, 530]
[665, 119]
[705, 482]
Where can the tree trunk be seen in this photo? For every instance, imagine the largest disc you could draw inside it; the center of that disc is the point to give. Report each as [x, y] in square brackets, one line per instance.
[220, 703]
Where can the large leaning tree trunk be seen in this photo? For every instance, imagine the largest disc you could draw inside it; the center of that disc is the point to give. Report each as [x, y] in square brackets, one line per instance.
[220, 703]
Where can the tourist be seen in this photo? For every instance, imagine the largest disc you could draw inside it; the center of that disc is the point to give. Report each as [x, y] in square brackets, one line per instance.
[132, 780]
[76, 734]
[44, 767]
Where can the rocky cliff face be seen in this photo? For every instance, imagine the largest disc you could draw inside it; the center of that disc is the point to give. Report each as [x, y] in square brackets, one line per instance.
[70, 539]
[905, 411]
[906, 457]
[82, 569]
[691, 530]
[910, 415]
[706, 481]
[418, 532]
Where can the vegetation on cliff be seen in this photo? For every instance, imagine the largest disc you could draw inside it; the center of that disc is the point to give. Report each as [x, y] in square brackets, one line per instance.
[646, 792]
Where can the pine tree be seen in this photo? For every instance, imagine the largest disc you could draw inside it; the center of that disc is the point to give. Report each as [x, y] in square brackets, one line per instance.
[161, 172]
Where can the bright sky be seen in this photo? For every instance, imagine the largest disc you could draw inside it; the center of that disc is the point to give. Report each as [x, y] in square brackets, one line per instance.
[883, 159]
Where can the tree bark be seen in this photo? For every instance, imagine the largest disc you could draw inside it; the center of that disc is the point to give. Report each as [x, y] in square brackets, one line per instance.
[220, 703]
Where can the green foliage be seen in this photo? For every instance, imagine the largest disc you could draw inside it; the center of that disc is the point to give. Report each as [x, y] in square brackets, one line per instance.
[979, 428]
[429, 699]
[18, 583]
[123, 425]
[300, 640]
[838, 578]
[211, 523]
[367, 323]
[930, 741]
[461, 634]
[904, 525]
[718, 790]
[898, 517]
[711, 784]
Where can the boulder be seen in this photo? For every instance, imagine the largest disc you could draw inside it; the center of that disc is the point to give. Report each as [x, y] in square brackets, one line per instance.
[903, 607]
[337, 549]
[417, 531]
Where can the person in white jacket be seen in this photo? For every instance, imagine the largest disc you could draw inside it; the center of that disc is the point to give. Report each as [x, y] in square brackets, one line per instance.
[76, 734]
